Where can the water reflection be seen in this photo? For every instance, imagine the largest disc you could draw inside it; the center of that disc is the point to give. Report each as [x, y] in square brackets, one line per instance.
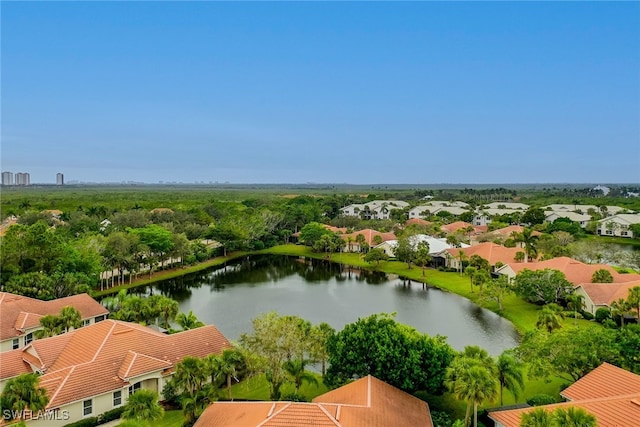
[230, 296]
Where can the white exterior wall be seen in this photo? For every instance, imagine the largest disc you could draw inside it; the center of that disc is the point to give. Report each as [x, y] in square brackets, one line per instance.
[7, 345]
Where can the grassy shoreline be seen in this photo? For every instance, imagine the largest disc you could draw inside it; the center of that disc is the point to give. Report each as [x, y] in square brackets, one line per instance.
[520, 313]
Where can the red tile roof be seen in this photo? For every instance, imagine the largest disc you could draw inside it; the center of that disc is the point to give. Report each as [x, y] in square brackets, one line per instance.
[104, 356]
[605, 381]
[575, 271]
[606, 293]
[455, 226]
[490, 251]
[367, 402]
[609, 393]
[369, 234]
[18, 313]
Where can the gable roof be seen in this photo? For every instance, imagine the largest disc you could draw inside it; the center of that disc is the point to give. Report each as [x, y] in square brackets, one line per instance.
[106, 355]
[417, 221]
[19, 313]
[575, 271]
[606, 293]
[369, 234]
[455, 226]
[604, 381]
[367, 402]
[490, 251]
[611, 394]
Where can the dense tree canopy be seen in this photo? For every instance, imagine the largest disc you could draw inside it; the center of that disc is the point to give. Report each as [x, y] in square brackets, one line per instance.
[544, 286]
[395, 353]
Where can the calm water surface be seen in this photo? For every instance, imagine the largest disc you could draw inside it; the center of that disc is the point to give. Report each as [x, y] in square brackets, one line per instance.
[229, 297]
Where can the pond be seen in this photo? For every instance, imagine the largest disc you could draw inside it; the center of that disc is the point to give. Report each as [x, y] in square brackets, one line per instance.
[319, 291]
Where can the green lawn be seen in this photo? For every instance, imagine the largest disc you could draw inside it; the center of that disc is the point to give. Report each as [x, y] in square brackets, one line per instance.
[173, 418]
[257, 388]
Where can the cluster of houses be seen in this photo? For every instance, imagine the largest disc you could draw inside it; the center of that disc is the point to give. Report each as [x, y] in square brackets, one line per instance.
[615, 221]
[95, 368]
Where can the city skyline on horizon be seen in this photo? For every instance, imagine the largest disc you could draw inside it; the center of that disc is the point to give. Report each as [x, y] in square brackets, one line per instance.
[359, 93]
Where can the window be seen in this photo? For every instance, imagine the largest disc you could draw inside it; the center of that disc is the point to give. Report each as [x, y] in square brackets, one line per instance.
[86, 322]
[117, 398]
[133, 388]
[624, 233]
[100, 318]
[16, 343]
[28, 338]
[87, 407]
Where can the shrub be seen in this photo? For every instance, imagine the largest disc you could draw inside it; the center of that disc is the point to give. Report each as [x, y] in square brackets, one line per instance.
[602, 314]
[111, 415]
[294, 397]
[586, 315]
[541, 399]
[86, 422]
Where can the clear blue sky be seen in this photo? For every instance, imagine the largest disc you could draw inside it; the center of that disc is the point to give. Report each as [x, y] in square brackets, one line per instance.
[362, 93]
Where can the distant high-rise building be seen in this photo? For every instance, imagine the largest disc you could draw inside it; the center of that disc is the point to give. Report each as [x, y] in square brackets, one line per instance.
[23, 178]
[59, 179]
[7, 178]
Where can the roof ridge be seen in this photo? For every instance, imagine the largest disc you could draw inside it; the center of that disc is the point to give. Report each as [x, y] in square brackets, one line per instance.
[104, 341]
[61, 385]
[273, 414]
[135, 356]
[334, 420]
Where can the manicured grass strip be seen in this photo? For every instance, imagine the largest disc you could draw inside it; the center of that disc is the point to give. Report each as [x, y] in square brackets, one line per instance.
[169, 274]
[173, 418]
[257, 388]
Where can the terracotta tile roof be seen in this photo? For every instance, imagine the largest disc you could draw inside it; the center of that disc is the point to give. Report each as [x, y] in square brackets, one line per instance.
[104, 356]
[611, 394]
[605, 381]
[490, 251]
[367, 402]
[619, 411]
[606, 293]
[508, 231]
[417, 221]
[18, 313]
[369, 234]
[12, 364]
[575, 271]
[335, 229]
[455, 226]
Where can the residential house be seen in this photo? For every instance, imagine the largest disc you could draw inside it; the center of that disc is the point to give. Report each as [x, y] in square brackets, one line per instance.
[435, 206]
[364, 402]
[461, 225]
[376, 209]
[583, 208]
[490, 251]
[601, 295]
[575, 271]
[609, 393]
[369, 237]
[501, 234]
[618, 225]
[20, 316]
[507, 205]
[484, 216]
[91, 370]
[436, 245]
[582, 219]
[417, 221]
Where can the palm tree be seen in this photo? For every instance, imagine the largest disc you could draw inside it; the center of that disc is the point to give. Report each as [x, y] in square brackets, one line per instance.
[476, 385]
[190, 375]
[295, 368]
[538, 417]
[188, 321]
[470, 272]
[548, 319]
[193, 406]
[115, 303]
[167, 307]
[633, 300]
[227, 364]
[620, 308]
[575, 302]
[50, 327]
[23, 393]
[69, 318]
[509, 375]
[143, 406]
[528, 240]
[573, 417]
